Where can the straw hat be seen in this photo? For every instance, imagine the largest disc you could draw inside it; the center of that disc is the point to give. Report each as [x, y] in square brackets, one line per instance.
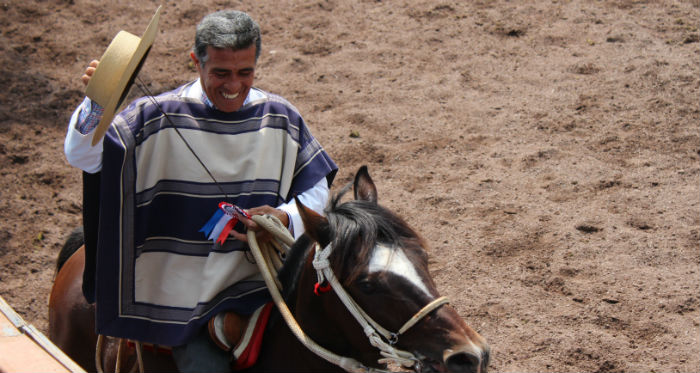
[118, 67]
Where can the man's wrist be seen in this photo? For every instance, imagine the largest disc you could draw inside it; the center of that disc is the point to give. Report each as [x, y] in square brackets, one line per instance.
[290, 223]
[89, 117]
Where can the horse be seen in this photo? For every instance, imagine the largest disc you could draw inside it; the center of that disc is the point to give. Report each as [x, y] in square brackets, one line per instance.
[377, 259]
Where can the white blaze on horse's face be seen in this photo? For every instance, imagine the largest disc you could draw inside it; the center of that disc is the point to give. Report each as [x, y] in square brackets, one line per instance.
[395, 261]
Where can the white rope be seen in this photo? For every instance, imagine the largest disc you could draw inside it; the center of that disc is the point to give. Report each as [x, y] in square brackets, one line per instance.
[435, 304]
[98, 353]
[390, 353]
[118, 363]
[371, 327]
[139, 357]
[99, 347]
[348, 364]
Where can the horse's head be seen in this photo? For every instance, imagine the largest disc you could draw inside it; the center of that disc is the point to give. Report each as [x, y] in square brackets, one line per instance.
[382, 264]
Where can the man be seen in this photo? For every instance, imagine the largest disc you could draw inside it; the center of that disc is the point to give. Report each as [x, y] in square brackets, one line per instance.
[158, 278]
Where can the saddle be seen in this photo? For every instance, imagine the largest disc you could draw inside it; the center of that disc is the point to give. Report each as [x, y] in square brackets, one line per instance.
[240, 335]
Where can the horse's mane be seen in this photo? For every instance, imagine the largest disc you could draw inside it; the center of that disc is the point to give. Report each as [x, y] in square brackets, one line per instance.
[72, 244]
[355, 227]
[293, 264]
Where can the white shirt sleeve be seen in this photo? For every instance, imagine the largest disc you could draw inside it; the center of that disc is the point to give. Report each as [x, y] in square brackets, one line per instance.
[78, 147]
[315, 198]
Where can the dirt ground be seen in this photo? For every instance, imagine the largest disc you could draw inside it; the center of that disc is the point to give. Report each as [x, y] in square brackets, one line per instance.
[548, 150]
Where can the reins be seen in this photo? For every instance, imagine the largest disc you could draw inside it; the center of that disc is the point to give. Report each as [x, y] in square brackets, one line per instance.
[378, 336]
[118, 361]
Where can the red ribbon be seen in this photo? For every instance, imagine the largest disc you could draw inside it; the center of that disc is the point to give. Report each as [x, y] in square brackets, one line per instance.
[227, 228]
[322, 288]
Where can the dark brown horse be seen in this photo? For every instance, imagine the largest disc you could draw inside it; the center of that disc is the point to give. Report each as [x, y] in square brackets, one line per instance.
[377, 258]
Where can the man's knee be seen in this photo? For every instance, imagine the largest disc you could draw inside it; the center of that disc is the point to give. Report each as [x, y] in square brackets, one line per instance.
[201, 354]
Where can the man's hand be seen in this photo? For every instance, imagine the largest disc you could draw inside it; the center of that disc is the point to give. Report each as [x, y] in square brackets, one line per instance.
[260, 233]
[89, 71]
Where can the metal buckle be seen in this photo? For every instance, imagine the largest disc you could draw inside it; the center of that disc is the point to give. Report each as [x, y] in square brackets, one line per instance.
[394, 339]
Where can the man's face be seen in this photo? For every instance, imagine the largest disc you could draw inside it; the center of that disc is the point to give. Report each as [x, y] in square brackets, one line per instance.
[227, 76]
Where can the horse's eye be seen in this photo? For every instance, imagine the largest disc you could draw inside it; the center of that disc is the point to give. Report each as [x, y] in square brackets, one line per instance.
[366, 286]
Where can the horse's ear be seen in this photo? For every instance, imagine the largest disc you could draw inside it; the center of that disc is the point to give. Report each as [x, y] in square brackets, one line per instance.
[315, 225]
[364, 186]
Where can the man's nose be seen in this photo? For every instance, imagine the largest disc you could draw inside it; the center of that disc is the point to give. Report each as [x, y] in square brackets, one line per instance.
[233, 83]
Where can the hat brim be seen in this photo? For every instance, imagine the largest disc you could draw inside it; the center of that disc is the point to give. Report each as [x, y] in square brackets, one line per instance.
[116, 72]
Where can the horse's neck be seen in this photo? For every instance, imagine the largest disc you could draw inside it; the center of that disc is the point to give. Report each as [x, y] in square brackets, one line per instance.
[283, 351]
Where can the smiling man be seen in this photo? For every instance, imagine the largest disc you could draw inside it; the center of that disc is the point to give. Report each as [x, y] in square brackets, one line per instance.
[165, 164]
[227, 76]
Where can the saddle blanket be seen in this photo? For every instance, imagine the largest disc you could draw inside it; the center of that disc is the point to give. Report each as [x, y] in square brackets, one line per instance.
[247, 350]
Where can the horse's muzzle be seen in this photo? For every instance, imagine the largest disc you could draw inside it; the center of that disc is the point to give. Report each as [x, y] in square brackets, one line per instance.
[467, 359]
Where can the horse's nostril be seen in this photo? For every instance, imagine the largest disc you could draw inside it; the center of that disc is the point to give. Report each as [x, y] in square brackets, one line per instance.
[462, 361]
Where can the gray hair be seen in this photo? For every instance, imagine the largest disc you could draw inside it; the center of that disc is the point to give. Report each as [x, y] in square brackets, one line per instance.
[230, 29]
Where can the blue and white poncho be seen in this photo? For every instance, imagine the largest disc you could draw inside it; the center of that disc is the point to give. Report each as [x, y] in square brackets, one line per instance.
[158, 278]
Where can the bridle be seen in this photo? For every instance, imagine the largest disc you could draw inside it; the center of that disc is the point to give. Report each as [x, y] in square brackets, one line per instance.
[378, 336]
[373, 330]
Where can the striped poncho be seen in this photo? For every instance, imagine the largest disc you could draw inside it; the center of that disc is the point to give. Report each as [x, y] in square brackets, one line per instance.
[158, 279]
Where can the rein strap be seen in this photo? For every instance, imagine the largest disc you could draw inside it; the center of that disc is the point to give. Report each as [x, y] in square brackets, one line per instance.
[428, 308]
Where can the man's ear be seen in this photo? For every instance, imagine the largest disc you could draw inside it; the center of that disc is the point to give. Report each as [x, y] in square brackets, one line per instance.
[315, 225]
[195, 60]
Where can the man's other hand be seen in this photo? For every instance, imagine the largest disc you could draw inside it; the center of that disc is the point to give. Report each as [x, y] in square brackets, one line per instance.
[89, 71]
[260, 233]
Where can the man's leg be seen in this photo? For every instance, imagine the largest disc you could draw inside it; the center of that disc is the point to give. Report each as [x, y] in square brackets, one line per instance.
[91, 219]
[201, 355]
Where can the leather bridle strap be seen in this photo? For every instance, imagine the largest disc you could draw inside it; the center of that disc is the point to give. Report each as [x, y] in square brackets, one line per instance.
[428, 308]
